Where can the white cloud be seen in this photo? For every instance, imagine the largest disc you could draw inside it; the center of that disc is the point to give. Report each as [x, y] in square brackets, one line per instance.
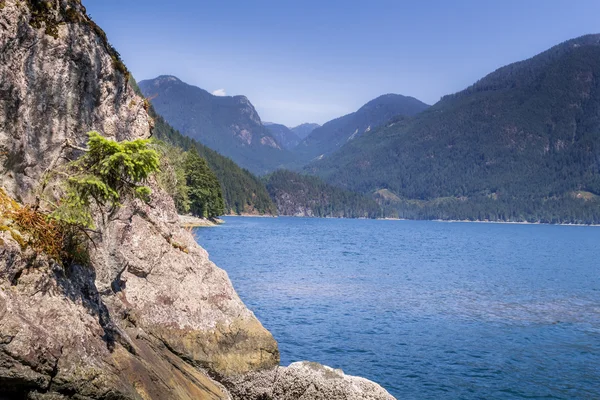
[219, 92]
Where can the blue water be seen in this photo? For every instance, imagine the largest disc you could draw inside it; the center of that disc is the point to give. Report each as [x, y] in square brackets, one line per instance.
[429, 310]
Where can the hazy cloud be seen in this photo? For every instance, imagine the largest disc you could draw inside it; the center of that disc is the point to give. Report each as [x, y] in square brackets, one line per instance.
[219, 92]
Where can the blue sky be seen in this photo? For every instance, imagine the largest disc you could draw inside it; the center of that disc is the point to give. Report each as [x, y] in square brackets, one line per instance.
[312, 61]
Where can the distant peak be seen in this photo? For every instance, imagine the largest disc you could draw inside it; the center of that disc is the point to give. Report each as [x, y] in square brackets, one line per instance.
[168, 78]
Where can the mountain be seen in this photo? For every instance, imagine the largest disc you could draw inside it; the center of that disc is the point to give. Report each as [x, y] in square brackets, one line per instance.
[243, 192]
[523, 143]
[334, 134]
[308, 196]
[303, 130]
[229, 125]
[284, 136]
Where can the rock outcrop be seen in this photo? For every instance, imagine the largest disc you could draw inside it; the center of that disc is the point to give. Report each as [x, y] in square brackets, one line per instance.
[305, 380]
[149, 316]
[151, 312]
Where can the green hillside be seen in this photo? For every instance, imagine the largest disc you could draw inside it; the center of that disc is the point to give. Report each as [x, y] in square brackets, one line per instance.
[326, 139]
[303, 195]
[523, 143]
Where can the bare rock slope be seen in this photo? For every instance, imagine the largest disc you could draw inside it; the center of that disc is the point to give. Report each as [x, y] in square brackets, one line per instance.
[150, 317]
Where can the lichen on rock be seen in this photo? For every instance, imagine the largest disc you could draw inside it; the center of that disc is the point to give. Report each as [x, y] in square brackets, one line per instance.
[304, 380]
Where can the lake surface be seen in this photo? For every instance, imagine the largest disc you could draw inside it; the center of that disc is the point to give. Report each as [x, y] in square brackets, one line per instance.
[428, 310]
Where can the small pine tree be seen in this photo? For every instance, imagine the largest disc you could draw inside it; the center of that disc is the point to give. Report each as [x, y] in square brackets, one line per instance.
[104, 174]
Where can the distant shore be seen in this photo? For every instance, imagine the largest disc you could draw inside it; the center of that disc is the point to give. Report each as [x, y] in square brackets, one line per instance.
[405, 219]
[188, 221]
[251, 215]
[511, 222]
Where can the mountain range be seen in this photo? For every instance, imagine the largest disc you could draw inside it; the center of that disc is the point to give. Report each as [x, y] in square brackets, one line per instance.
[228, 125]
[289, 138]
[283, 135]
[521, 144]
[334, 134]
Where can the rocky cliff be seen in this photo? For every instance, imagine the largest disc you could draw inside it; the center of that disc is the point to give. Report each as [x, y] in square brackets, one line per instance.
[137, 320]
[149, 316]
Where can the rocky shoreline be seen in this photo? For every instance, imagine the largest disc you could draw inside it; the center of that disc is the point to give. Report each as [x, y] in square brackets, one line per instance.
[189, 221]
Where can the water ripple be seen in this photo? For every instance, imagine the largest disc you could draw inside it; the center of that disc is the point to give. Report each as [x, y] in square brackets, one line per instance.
[429, 310]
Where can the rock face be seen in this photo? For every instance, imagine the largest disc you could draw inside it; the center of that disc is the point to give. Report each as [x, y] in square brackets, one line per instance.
[151, 312]
[56, 89]
[305, 380]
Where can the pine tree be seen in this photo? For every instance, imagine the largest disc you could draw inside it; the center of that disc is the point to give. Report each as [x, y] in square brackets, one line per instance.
[204, 190]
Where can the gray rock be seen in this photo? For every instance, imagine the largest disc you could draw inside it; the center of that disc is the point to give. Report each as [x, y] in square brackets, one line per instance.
[305, 380]
[150, 313]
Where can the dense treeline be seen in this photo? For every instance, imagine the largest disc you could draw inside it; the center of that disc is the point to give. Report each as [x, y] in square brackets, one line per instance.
[523, 144]
[242, 191]
[191, 183]
[303, 195]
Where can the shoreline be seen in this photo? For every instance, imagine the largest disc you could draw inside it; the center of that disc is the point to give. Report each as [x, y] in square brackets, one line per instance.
[188, 221]
[405, 219]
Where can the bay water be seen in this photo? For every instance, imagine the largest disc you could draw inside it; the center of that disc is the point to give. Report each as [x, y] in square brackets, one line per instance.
[427, 309]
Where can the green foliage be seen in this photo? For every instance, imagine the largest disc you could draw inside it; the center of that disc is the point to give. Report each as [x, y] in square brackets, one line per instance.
[172, 177]
[242, 191]
[204, 190]
[515, 146]
[293, 192]
[105, 173]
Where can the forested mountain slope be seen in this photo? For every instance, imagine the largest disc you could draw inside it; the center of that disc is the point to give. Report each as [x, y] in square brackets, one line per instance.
[308, 196]
[243, 192]
[334, 134]
[305, 129]
[284, 136]
[523, 143]
[229, 125]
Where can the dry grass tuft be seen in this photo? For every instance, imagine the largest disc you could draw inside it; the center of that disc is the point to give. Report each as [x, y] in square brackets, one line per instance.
[36, 230]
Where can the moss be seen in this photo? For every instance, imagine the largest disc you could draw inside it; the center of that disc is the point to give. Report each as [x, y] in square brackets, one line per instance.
[2, 4]
[180, 247]
[72, 16]
[44, 15]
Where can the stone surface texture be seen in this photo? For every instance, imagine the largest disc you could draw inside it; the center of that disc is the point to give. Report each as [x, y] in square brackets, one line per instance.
[305, 380]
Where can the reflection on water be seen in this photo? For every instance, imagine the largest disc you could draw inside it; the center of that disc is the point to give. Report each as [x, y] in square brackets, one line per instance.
[427, 309]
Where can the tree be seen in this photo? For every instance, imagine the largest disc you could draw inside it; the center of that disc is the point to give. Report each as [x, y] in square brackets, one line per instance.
[103, 175]
[204, 190]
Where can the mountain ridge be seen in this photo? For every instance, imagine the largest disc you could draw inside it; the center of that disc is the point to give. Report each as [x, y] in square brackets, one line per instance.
[518, 145]
[328, 138]
[228, 124]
